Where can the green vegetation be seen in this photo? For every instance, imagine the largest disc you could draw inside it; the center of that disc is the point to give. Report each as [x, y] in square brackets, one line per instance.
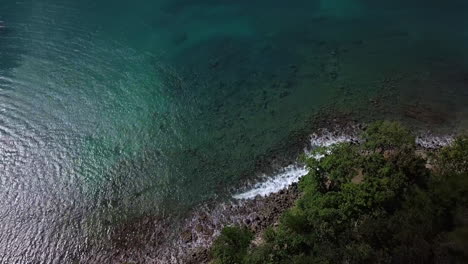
[376, 202]
[232, 245]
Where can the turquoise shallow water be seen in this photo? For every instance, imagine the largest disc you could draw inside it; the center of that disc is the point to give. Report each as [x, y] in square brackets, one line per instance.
[115, 110]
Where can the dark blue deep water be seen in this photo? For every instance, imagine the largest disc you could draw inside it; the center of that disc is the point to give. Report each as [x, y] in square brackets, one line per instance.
[115, 110]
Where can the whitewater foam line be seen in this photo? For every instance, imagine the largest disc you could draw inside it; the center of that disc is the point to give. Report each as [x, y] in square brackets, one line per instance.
[278, 182]
[432, 142]
[292, 173]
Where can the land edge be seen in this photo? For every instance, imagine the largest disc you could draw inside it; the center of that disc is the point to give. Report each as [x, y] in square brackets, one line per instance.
[266, 211]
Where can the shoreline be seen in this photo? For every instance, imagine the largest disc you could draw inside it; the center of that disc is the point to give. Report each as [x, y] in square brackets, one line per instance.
[260, 211]
[191, 240]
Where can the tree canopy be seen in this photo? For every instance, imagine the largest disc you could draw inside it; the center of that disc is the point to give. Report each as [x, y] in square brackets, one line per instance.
[375, 202]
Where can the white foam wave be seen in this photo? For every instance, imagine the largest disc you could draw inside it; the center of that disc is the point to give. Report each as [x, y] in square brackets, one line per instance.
[278, 182]
[292, 173]
[328, 139]
[433, 142]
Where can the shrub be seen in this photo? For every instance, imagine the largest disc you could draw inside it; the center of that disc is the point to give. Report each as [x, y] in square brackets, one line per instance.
[370, 203]
[231, 246]
[387, 135]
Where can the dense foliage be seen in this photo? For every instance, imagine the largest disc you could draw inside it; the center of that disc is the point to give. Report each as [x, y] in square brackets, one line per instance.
[232, 245]
[376, 202]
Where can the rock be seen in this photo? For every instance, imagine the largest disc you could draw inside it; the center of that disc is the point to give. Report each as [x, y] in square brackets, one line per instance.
[198, 256]
[209, 232]
[199, 228]
[186, 236]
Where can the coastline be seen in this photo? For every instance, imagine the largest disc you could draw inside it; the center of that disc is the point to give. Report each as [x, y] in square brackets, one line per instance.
[140, 139]
[191, 241]
[263, 210]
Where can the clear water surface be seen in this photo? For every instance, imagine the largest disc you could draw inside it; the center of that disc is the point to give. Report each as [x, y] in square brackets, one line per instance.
[114, 110]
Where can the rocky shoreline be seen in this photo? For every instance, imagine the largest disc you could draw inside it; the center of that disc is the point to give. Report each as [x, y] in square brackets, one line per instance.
[261, 212]
[191, 241]
[256, 214]
[188, 241]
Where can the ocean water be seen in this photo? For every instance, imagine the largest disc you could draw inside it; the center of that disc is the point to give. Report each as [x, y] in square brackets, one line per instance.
[117, 111]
